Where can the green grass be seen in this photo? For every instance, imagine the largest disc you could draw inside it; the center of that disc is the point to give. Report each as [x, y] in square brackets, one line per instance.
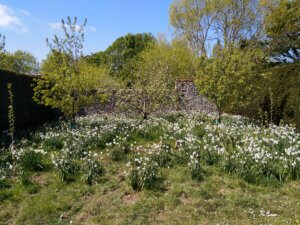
[219, 199]
[35, 194]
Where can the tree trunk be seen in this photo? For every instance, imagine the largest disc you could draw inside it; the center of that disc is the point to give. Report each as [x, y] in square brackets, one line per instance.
[145, 116]
[219, 116]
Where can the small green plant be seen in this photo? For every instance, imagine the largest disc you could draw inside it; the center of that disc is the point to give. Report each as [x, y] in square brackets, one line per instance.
[92, 169]
[163, 157]
[31, 160]
[11, 116]
[197, 172]
[65, 166]
[144, 174]
[53, 143]
[119, 152]
[24, 178]
[2, 178]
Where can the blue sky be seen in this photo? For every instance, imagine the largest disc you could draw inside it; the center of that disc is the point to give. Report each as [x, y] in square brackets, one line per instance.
[26, 24]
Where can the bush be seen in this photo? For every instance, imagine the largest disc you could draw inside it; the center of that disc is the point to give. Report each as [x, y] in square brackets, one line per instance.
[278, 96]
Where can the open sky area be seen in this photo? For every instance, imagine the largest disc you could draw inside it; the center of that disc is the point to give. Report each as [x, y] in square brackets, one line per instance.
[27, 24]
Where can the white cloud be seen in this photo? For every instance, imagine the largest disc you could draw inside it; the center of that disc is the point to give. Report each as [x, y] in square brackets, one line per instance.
[25, 12]
[93, 29]
[8, 20]
[55, 26]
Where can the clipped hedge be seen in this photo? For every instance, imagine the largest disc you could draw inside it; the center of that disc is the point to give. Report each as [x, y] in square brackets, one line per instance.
[27, 113]
[279, 96]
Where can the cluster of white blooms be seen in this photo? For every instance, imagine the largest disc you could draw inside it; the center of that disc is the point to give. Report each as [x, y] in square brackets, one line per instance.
[236, 144]
[267, 213]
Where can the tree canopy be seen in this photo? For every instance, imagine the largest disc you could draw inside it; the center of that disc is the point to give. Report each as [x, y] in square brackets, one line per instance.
[69, 82]
[122, 53]
[282, 26]
[20, 62]
[200, 22]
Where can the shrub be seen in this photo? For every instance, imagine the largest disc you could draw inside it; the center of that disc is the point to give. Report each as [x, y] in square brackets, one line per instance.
[105, 138]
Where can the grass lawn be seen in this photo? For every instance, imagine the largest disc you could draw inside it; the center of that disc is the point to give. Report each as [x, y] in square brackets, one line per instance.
[220, 197]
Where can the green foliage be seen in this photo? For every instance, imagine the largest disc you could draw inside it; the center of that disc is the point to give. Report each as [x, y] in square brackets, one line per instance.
[174, 60]
[66, 166]
[121, 56]
[228, 79]
[149, 94]
[155, 76]
[118, 152]
[144, 174]
[20, 62]
[192, 20]
[68, 82]
[91, 169]
[281, 25]
[283, 82]
[196, 170]
[200, 21]
[164, 157]
[31, 161]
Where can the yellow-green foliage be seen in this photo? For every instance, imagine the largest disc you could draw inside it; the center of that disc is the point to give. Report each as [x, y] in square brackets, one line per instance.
[281, 25]
[228, 78]
[155, 73]
[64, 88]
[171, 59]
[69, 82]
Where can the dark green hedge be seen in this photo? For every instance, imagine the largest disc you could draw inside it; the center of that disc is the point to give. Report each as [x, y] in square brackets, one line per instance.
[27, 112]
[281, 93]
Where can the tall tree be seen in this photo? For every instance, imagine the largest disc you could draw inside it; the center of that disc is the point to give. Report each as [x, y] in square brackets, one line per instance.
[155, 74]
[237, 20]
[122, 53]
[2, 43]
[228, 78]
[193, 20]
[20, 62]
[201, 21]
[68, 82]
[282, 26]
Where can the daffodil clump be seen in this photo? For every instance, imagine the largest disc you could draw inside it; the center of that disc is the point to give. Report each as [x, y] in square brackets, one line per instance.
[236, 146]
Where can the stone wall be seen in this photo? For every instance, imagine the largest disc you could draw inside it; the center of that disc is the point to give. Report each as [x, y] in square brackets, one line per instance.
[189, 98]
